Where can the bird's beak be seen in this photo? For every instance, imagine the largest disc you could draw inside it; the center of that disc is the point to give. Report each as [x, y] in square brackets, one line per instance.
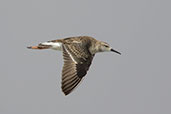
[115, 51]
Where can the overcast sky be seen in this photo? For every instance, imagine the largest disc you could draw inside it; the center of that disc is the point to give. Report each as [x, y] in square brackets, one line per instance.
[137, 82]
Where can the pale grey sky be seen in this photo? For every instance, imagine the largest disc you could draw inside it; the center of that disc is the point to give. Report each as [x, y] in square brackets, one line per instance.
[137, 82]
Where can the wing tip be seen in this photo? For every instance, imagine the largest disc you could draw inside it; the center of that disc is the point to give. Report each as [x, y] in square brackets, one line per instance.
[66, 92]
[71, 88]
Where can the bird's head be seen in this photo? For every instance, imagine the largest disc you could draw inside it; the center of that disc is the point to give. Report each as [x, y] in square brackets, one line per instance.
[105, 47]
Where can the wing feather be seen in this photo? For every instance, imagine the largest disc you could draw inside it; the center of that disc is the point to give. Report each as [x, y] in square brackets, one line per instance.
[75, 66]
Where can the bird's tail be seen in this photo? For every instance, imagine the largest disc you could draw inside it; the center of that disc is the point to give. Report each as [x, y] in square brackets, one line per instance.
[40, 46]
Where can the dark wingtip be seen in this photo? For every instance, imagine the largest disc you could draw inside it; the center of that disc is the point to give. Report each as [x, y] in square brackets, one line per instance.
[66, 93]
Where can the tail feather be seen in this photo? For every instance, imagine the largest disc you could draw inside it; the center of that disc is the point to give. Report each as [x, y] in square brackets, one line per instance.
[40, 46]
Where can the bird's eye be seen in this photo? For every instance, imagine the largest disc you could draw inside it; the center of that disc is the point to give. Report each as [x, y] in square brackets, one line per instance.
[106, 45]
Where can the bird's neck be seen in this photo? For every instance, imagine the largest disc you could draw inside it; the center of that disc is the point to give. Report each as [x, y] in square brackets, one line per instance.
[94, 48]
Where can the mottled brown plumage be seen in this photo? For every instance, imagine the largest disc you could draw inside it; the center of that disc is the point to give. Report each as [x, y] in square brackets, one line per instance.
[78, 53]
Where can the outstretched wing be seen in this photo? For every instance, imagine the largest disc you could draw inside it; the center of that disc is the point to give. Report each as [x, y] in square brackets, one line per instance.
[77, 60]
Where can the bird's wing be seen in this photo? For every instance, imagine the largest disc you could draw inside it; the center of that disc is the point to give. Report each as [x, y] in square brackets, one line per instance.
[77, 60]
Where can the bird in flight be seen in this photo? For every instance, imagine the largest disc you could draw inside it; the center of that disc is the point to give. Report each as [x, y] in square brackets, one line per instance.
[78, 53]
